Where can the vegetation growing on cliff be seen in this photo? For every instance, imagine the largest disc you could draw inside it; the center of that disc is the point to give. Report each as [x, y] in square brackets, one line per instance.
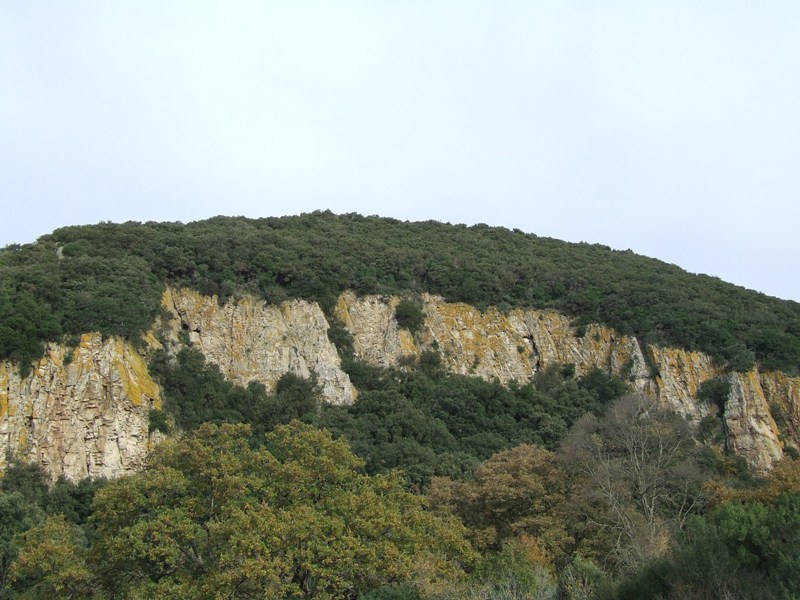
[109, 277]
[424, 421]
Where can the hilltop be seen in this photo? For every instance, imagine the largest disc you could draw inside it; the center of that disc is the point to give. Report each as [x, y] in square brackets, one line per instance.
[110, 277]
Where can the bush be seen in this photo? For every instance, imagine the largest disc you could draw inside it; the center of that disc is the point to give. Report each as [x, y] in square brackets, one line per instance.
[715, 391]
[409, 315]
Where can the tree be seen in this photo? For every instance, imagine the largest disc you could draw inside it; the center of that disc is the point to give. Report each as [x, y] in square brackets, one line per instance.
[409, 314]
[518, 492]
[636, 477]
[27, 478]
[51, 562]
[17, 514]
[744, 550]
[212, 517]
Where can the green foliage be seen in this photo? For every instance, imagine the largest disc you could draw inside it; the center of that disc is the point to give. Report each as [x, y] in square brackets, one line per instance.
[24, 325]
[606, 388]
[392, 592]
[744, 550]
[109, 278]
[715, 392]
[511, 574]
[340, 337]
[158, 421]
[17, 515]
[52, 563]
[27, 479]
[48, 290]
[409, 315]
[196, 392]
[72, 500]
[581, 579]
[213, 517]
[25, 499]
[430, 422]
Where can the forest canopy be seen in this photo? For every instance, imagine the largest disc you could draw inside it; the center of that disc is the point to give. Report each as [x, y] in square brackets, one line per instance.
[109, 277]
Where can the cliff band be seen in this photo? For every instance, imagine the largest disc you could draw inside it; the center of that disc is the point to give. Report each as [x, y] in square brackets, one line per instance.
[83, 411]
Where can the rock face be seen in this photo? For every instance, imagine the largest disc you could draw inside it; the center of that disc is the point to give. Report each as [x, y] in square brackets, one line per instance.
[752, 431]
[252, 341]
[84, 411]
[516, 345]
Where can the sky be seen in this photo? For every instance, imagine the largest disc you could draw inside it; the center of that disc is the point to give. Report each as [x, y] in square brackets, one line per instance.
[668, 128]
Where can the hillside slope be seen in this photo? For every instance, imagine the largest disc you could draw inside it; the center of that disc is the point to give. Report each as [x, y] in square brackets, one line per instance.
[82, 309]
[79, 279]
[89, 415]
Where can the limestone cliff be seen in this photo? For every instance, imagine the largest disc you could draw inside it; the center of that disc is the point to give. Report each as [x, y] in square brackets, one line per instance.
[252, 341]
[82, 411]
[514, 346]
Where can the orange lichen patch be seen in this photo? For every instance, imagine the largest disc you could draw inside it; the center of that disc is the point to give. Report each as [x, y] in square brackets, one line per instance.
[166, 299]
[89, 340]
[783, 392]
[4, 408]
[136, 380]
[407, 345]
[197, 306]
[152, 341]
[83, 355]
[757, 394]
[342, 309]
[473, 332]
[692, 369]
[489, 344]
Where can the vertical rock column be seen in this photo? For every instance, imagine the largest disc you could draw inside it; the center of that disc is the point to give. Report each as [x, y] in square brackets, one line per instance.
[82, 411]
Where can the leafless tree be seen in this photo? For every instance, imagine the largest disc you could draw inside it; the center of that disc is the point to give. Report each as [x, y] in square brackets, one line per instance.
[637, 477]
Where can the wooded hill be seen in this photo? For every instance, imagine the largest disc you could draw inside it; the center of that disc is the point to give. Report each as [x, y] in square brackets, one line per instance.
[433, 486]
[109, 278]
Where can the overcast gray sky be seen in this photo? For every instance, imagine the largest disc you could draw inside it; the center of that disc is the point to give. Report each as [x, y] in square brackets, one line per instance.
[670, 128]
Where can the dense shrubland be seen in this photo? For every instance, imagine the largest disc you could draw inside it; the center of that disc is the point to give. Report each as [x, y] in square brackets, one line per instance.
[80, 278]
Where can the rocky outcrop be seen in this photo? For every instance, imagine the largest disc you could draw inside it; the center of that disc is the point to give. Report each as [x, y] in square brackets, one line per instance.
[494, 345]
[513, 346]
[82, 411]
[252, 341]
[751, 429]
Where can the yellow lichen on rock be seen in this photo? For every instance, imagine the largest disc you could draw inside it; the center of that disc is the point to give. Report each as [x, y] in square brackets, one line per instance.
[3, 390]
[472, 342]
[783, 395]
[752, 431]
[680, 375]
[407, 345]
[252, 341]
[342, 309]
[82, 411]
[152, 341]
[136, 380]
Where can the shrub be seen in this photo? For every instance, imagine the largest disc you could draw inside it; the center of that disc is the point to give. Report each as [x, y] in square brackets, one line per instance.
[409, 315]
[715, 391]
